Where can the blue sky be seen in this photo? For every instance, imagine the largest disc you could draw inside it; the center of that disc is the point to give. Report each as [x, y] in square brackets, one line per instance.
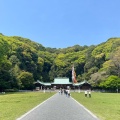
[61, 23]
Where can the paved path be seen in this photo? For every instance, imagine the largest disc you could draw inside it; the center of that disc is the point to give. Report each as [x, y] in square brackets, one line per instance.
[59, 107]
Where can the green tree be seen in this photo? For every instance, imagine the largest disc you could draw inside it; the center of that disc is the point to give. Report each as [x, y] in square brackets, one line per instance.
[26, 79]
[5, 78]
[4, 48]
[115, 64]
[112, 82]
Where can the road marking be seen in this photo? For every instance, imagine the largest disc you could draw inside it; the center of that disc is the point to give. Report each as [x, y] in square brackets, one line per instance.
[86, 109]
[34, 108]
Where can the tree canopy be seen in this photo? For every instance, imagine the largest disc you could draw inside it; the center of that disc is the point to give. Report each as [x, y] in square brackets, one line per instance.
[23, 61]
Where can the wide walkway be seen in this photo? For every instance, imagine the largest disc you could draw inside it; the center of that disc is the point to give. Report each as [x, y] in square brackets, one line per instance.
[59, 107]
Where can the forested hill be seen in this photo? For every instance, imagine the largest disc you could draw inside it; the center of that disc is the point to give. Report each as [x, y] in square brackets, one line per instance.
[23, 61]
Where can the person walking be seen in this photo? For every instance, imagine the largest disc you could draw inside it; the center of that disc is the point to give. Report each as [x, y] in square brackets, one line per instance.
[59, 92]
[85, 93]
[89, 92]
[68, 92]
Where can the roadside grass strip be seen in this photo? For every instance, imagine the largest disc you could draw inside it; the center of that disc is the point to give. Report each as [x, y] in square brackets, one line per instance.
[106, 106]
[14, 105]
[33, 109]
[85, 108]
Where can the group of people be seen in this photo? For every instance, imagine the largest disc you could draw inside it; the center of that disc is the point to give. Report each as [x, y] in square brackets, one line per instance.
[65, 91]
[88, 93]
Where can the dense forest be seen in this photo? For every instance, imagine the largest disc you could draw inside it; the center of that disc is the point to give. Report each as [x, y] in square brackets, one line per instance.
[23, 61]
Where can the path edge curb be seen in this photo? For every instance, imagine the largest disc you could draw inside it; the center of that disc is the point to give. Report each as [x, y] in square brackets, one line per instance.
[34, 108]
[86, 109]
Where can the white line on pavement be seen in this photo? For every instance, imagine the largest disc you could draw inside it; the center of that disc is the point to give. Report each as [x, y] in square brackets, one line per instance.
[33, 108]
[86, 109]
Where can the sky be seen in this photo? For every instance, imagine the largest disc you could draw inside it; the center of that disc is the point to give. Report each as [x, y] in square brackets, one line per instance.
[61, 23]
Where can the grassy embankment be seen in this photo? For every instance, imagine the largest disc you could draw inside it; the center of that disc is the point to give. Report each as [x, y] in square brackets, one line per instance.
[14, 105]
[105, 106]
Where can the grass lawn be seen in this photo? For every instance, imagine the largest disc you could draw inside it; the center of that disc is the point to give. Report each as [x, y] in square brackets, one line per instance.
[14, 105]
[106, 106]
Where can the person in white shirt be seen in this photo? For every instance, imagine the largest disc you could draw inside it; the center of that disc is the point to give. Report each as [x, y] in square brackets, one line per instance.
[85, 93]
[68, 91]
[89, 92]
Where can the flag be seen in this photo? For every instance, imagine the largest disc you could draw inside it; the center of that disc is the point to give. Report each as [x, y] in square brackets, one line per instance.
[73, 75]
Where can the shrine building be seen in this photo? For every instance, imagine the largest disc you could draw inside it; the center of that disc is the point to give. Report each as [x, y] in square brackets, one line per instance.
[62, 82]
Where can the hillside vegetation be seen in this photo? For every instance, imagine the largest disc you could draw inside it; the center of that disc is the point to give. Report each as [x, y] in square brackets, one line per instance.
[23, 61]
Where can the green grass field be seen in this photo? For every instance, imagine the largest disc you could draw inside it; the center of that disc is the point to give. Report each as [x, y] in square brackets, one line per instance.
[14, 105]
[106, 106]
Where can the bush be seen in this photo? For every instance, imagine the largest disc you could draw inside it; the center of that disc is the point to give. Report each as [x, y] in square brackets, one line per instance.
[11, 90]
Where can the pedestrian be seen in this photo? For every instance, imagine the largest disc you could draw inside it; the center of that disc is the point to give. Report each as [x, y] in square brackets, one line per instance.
[85, 93]
[64, 92]
[89, 94]
[59, 92]
[68, 92]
